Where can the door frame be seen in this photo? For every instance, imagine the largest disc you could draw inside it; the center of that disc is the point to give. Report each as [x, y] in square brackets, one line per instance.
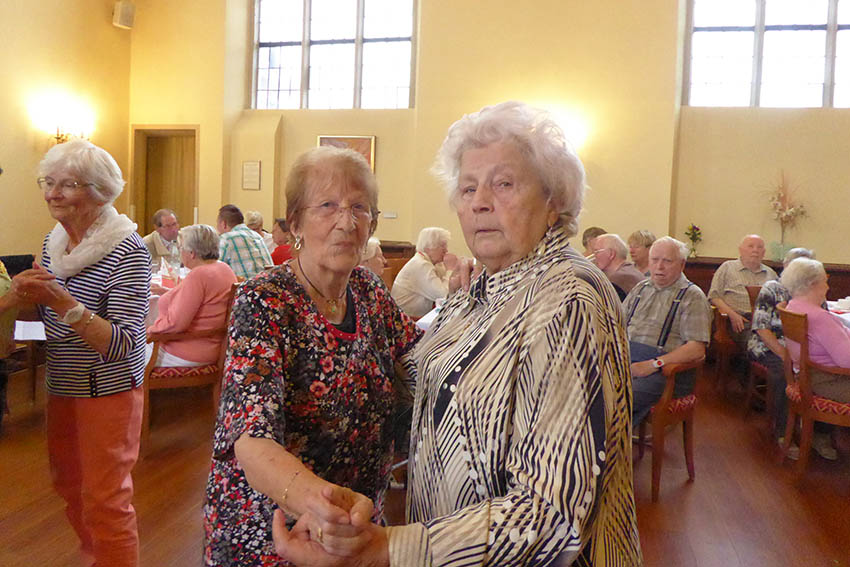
[139, 134]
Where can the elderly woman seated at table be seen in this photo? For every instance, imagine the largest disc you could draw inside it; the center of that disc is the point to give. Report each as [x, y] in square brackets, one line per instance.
[639, 244]
[373, 256]
[767, 344]
[198, 303]
[254, 221]
[318, 350]
[829, 338]
[423, 279]
[521, 450]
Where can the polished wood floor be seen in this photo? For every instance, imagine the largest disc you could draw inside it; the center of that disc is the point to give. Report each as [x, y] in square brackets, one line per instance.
[742, 509]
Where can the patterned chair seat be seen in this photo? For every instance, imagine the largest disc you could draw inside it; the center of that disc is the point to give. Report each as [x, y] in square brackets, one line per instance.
[679, 405]
[166, 372]
[820, 404]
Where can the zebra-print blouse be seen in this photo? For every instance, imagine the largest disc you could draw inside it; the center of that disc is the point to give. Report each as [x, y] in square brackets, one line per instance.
[520, 452]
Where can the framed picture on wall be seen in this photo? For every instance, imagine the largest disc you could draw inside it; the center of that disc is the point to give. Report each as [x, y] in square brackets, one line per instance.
[364, 145]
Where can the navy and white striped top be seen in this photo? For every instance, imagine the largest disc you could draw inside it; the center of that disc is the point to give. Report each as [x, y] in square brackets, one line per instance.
[117, 289]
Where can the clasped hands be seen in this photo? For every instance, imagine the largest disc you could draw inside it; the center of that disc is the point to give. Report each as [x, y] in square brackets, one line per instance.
[39, 286]
[335, 530]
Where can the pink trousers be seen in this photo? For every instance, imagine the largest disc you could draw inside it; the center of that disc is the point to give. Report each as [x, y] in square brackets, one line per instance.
[93, 444]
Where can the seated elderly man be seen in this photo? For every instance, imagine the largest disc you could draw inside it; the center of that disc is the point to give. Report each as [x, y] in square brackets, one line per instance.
[728, 290]
[610, 255]
[588, 236]
[669, 321]
[240, 247]
[162, 242]
[422, 280]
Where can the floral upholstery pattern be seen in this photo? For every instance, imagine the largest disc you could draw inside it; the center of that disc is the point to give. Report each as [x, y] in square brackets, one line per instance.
[820, 404]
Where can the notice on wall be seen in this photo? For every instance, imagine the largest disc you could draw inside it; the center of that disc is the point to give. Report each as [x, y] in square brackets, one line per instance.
[251, 175]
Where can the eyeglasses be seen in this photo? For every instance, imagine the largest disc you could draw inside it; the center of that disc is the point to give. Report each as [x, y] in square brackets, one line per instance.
[66, 185]
[330, 209]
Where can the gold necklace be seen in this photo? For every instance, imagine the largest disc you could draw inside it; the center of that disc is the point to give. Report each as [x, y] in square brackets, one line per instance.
[333, 304]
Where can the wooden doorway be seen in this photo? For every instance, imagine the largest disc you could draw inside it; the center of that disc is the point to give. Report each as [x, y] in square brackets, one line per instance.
[164, 173]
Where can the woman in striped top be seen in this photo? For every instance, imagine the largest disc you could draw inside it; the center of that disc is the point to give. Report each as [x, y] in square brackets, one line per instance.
[520, 452]
[91, 291]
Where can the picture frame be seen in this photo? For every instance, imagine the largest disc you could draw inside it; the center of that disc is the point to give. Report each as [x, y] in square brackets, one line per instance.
[364, 145]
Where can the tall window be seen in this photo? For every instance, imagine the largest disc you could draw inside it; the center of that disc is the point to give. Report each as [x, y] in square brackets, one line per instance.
[778, 53]
[334, 54]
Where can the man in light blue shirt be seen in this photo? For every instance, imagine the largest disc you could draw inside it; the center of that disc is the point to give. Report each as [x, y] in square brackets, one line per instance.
[240, 247]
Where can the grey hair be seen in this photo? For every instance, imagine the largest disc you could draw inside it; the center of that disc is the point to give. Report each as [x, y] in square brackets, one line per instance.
[642, 237]
[680, 246]
[611, 241]
[90, 164]
[371, 250]
[536, 135]
[801, 274]
[157, 216]
[795, 253]
[432, 237]
[254, 220]
[202, 239]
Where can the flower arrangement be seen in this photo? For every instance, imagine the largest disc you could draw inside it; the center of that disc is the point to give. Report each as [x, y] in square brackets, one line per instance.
[786, 210]
[694, 234]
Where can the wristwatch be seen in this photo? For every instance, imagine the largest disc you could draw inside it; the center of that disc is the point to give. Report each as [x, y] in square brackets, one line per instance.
[74, 314]
[657, 363]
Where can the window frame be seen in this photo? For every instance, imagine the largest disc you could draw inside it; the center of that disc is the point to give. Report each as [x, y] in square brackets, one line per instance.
[759, 28]
[306, 43]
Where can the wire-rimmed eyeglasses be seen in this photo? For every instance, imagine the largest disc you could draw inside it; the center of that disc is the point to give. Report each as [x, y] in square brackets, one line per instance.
[66, 185]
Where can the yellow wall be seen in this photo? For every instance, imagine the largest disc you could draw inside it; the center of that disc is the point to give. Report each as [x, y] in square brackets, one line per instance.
[730, 158]
[53, 45]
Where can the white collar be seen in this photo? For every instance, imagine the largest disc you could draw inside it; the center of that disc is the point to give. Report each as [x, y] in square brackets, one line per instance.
[105, 233]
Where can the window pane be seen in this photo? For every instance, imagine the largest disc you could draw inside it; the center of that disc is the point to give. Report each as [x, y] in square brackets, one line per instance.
[386, 75]
[841, 97]
[388, 18]
[333, 19]
[721, 68]
[283, 74]
[792, 68]
[844, 12]
[777, 12]
[281, 20]
[332, 76]
[724, 13]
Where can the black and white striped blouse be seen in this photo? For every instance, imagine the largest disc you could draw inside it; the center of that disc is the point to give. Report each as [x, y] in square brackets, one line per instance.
[521, 445]
[117, 289]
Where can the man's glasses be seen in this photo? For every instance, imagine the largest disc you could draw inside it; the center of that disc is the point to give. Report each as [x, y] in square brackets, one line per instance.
[330, 209]
[66, 185]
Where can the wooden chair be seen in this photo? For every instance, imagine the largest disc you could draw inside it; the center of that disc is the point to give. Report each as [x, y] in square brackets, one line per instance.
[757, 375]
[801, 401]
[669, 411]
[161, 378]
[724, 347]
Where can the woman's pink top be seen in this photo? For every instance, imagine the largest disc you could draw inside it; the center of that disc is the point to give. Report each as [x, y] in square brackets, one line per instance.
[829, 338]
[199, 303]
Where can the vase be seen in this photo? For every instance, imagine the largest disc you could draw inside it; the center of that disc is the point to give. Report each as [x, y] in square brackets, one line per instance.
[777, 250]
[693, 252]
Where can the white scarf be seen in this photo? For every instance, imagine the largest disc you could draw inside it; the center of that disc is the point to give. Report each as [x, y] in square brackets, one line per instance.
[105, 233]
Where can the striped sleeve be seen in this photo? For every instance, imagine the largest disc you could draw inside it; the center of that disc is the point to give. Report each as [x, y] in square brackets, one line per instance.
[127, 292]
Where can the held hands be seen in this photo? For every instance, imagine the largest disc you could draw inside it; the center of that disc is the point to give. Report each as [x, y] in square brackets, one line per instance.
[348, 539]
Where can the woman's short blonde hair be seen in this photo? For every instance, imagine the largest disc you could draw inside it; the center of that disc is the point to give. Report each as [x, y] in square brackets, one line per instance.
[325, 166]
[536, 135]
[90, 164]
[801, 274]
[254, 220]
[202, 239]
[641, 238]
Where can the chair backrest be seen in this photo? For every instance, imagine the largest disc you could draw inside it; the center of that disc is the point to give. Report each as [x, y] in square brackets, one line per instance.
[394, 266]
[753, 292]
[795, 327]
[722, 327]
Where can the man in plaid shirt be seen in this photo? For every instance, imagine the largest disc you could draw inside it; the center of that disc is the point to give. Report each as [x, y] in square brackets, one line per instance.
[240, 247]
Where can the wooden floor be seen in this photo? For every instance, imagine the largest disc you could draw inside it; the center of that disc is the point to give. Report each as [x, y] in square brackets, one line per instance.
[742, 510]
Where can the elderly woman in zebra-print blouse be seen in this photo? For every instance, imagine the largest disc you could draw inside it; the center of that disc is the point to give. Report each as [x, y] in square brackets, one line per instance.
[520, 449]
[91, 290]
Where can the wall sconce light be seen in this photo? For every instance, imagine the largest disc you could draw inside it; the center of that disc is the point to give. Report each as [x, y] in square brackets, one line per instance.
[62, 116]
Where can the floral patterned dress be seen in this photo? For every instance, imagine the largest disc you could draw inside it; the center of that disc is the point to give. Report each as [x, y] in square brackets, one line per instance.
[325, 395]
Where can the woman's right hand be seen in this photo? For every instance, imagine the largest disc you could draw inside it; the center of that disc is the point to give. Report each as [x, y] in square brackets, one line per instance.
[337, 518]
[464, 272]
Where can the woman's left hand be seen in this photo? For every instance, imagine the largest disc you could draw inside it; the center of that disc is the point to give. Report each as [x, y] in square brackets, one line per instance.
[300, 547]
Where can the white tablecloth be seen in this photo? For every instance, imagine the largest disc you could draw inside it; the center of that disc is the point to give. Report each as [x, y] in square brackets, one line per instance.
[842, 314]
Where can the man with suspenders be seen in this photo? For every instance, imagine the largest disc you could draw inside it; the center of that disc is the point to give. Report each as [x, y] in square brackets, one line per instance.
[669, 321]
